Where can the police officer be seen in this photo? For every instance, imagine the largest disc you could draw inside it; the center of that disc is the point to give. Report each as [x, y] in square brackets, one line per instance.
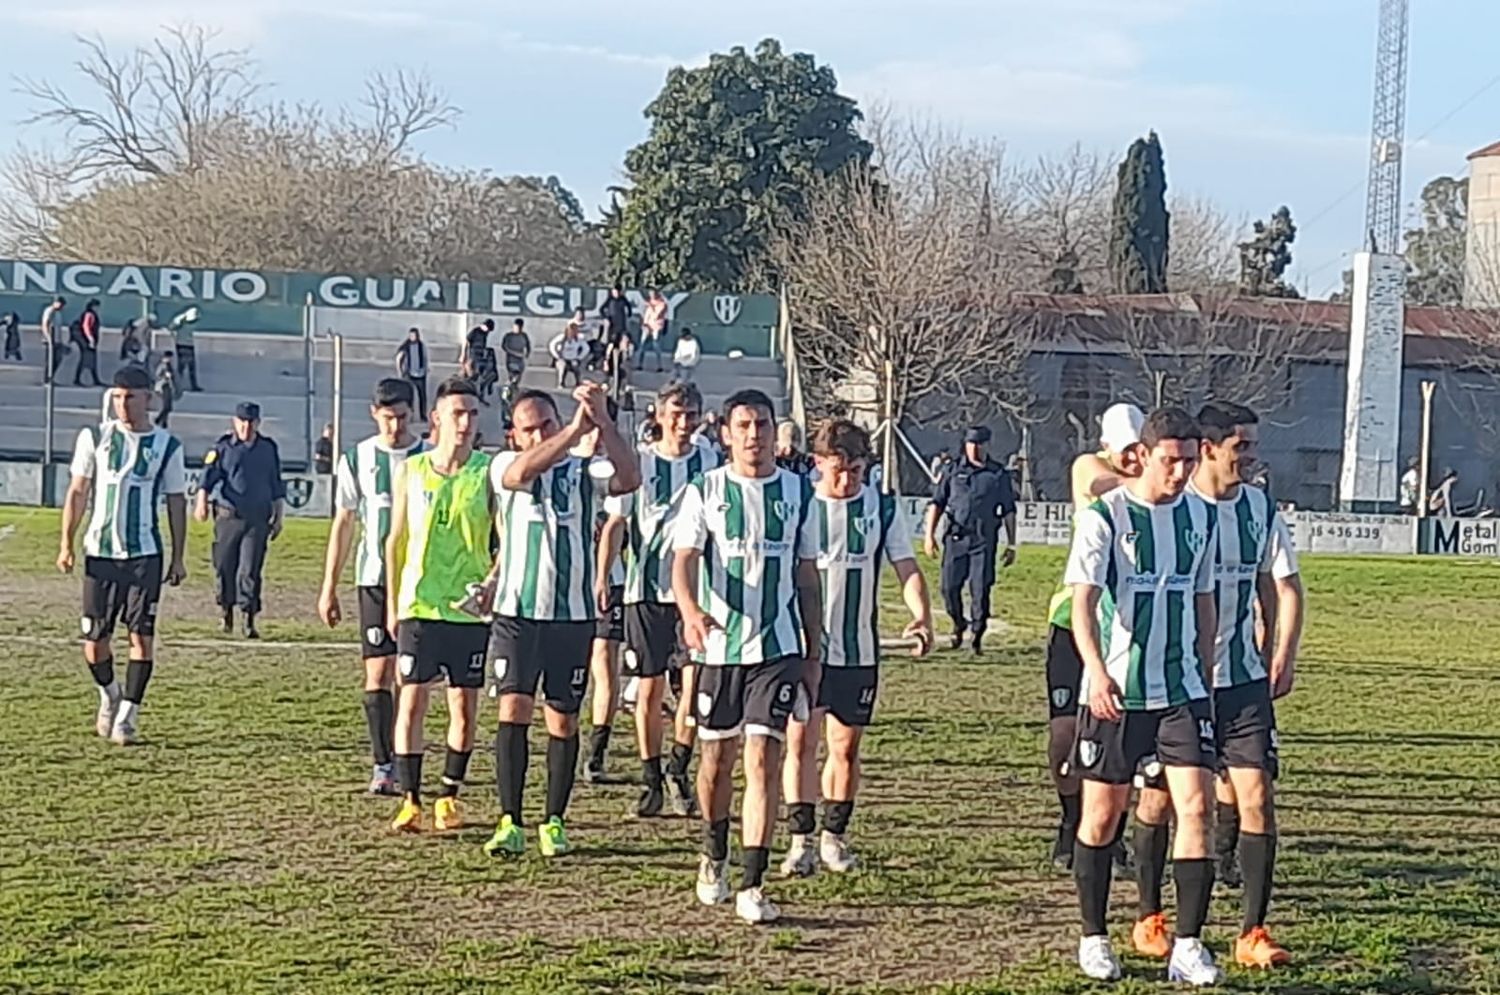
[976, 496]
[244, 467]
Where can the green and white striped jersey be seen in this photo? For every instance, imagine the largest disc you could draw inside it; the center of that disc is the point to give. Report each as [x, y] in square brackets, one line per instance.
[853, 536]
[752, 532]
[131, 472]
[363, 486]
[650, 511]
[1149, 561]
[1252, 540]
[547, 542]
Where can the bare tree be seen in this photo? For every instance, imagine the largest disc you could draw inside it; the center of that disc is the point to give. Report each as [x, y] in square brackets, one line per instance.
[1204, 255]
[1064, 224]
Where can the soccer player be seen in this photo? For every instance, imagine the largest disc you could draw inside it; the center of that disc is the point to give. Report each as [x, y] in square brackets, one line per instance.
[1142, 572]
[437, 560]
[126, 471]
[545, 607]
[652, 625]
[754, 624]
[362, 495]
[1093, 474]
[856, 527]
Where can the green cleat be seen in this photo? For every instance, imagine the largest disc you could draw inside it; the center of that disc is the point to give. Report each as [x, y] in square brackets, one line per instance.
[553, 839]
[509, 840]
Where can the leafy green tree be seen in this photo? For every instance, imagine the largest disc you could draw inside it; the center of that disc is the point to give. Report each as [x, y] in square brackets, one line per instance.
[1435, 251]
[1265, 256]
[734, 147]
[1140, 230]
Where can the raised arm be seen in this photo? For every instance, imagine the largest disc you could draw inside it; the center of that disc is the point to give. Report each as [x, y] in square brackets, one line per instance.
[527, 466]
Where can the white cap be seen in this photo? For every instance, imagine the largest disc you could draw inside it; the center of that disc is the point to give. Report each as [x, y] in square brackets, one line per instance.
[1120, 428]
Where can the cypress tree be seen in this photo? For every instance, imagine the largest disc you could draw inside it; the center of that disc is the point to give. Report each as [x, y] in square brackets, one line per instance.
[1140, 230]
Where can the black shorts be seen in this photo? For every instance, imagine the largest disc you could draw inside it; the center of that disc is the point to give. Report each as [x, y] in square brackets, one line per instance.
[653, 639]
[373, 639]
[523, 651]
[1245, 723]
[611, 625]
[120, 591]
[1111, 751]
[754, 698]
[427, 649]
[849, 693]
[1064, 673]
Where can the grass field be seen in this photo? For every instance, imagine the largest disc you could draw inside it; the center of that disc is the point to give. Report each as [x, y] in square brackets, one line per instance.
[234, 852]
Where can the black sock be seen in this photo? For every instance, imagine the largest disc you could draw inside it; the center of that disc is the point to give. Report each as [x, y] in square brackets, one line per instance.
[137, 676]
[799, 817]
[562, 767]
[1072, 808]
[1195, 886]
[511, 758]
[1093, 866]
[455, 769]
[682, 754]
[103, 671]
[409, 773]
[1151, 864]
[1258, 863]
[598, 745]
[651, 772]
[1226, 830]
[836, 816]
[1120, 829]
[754, 861]
[380, 718]
[716, 839]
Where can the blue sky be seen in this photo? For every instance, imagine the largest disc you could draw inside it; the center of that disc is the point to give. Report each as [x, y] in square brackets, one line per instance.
[1257, 103]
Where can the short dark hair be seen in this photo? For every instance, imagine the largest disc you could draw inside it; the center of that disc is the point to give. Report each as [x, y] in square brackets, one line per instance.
[686, 331]
[391, 391]
[60, 301]
[749, 398]
[533, 394]
[455, 387]
[686, 395]
[131, 378]
[93, 302]
[842, 438]
[1169, 423]
[1217, 420]
[518, 323]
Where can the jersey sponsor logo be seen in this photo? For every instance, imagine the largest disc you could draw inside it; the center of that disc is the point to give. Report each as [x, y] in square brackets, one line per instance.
[1089, 752]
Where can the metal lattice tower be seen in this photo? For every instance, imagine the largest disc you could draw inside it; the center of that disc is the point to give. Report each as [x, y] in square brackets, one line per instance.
[1387, 131]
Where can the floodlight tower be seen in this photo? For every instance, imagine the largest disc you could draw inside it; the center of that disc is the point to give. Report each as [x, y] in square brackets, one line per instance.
[1377, 315]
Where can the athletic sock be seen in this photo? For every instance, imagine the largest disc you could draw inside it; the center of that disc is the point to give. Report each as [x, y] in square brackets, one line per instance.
[562, 767]
[716, 840]
[409, 773]
[103, 671]
[755, 859]
[1093, 866]
[455, 769]
[598, 745]
[1150, 864]
[137, 676]
[1226, 830]
[1195, 886]
[799, 818]
[511, 757]
[1072, 808]
[651, 772]
[1120, 828]
[836, 816]
[1258, 864]
[380, 718]
[682, 754]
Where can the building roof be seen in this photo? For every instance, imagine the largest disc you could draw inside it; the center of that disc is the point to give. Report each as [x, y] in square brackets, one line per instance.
[1487, 151]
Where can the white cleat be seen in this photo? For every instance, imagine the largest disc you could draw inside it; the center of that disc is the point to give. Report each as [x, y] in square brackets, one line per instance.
[124, 733]
[1097, 960]
[834, 851]
[801, 860]
[1191, 962]
[753, 906]
[713, 882]
[109, 706]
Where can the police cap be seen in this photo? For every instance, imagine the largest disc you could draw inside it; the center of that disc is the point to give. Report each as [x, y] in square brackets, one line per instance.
[979, 435]
[247, 410]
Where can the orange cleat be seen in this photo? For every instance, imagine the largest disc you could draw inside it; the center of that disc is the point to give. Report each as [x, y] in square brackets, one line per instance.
[1257, 949]
[1150, 937]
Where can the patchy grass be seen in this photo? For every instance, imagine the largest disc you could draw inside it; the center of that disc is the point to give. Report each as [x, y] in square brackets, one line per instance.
[234, 852]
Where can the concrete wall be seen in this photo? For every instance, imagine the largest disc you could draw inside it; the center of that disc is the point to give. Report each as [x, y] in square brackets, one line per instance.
[1482, 254]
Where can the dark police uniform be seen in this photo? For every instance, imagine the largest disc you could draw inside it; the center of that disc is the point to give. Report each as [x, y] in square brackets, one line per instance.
[248, 476]
[974, 499]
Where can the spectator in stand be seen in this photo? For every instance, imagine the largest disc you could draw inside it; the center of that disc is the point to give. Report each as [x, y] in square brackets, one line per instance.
[516, 347]
[85, 333]
[134, 350]
[323, 451]
[653, 327]
[569, 352]
[181, 328]
[10, 324]
[1411, 487]
[478, 338]
[686, 356]
[708, 430]
[52, 329]
[789, 454]
[166, 388]
[411, 366]
[616, 311]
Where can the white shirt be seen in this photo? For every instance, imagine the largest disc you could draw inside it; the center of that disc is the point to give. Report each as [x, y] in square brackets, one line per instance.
[687, 353]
